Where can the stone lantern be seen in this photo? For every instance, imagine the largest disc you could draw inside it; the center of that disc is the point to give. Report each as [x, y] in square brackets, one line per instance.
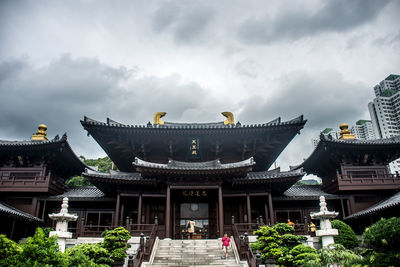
[326, 231]
[62, 218]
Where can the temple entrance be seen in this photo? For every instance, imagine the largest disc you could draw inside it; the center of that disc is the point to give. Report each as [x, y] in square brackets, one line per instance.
[198, 205]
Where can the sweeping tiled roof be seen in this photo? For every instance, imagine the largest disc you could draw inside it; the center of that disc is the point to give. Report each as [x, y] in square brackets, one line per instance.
[307, 192]
[12, 212]
[392, 201]
[86, 192]
[112, 123]
[207, 165]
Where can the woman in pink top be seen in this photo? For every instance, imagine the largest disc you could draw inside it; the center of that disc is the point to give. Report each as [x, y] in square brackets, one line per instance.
[225, 244]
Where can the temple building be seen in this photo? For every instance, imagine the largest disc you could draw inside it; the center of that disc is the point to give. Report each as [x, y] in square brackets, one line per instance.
[217, 174]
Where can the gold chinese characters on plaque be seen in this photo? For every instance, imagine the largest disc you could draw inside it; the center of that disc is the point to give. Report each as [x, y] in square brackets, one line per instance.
[194, 193]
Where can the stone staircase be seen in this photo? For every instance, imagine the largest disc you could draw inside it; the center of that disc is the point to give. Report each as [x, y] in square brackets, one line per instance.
[191, 253]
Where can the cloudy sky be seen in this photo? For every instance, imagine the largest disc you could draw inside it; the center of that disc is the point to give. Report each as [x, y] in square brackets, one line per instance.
[61, 60]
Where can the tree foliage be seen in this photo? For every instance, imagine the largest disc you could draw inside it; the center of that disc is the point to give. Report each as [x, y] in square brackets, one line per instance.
[334, 255]
[77, 181]
[383, 238]
[8, 251]
[346, 236]
[276, 242]
[92, 255]
[116, 242]
[40, 250]
[104, 164]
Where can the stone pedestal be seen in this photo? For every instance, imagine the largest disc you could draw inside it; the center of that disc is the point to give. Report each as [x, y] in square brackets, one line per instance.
[326, 231]
[62, 218]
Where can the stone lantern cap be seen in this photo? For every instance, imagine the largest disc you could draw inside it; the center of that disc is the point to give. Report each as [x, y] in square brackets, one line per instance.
[323, 212]
[63, 215]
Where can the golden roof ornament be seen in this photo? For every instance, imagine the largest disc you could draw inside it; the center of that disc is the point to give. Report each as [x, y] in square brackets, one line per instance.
[229, 117]
[344, 132]
[158, 116]
[40, 134]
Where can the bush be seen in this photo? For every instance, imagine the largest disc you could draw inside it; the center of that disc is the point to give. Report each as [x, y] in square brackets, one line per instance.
[383, 235]
[116, 242]
[334, 255]
[9, 250]
[298, 256]
[89, 255]
[346, 236]
[40, 250]
[275, 242]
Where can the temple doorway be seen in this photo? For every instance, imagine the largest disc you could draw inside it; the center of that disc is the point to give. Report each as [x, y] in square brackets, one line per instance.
[199, 206]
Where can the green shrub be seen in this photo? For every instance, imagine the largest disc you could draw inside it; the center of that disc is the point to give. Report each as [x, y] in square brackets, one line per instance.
[41, 250]
[346, 236]
[383, 235]
[275, 243]
[334, 255]
[89, 255]
[298, 256]
[116, 242]
[283, 228]
[9, 250]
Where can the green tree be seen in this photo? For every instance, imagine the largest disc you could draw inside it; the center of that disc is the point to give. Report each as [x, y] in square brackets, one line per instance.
[77, 181]
[116, 242]
[9, 250]
[334, 255]
[346, 236]
[383, 239]
[91, 255]
[104, 164]
[41, 250]
[276, 242]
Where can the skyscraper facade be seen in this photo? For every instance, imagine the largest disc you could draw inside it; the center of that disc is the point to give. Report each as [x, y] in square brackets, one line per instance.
[363, 130]
[385, 111]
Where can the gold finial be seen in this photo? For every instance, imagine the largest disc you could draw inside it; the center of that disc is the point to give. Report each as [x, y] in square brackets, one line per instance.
[229, 117]
[344, 132]
[40, 134]
[158, 116]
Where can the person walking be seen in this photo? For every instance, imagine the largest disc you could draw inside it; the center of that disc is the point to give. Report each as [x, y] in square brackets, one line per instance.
[225, 243]
[190, 228]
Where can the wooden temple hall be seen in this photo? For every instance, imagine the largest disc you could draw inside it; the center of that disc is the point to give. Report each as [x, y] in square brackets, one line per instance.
[219, 174]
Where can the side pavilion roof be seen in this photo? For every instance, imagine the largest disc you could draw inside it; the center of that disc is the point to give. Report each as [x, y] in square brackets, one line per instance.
[158, 143]
[330, 152]
[57, 153]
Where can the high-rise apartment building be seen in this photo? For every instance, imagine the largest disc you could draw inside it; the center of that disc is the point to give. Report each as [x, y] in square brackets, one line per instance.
[363, 130]
[385, 111]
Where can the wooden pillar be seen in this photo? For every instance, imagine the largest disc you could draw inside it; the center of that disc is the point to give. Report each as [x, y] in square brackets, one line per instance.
[44, 209]
[220, 212]
[248, 208]
[342, 206]
[117, 205]
[12, 229]
[168, 213]
[351, 204]
[37, 209]
[139, 210]
[121, 216]
[34, 206]
[271, 209]
[266, 213]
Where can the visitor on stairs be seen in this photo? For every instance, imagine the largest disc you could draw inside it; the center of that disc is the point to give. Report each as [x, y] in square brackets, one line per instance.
[225, 243]
[190, 228]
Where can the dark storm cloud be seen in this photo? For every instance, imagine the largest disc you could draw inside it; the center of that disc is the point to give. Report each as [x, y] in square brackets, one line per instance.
[295, 23]
[61, 93]
[187, 22]
[325, 99]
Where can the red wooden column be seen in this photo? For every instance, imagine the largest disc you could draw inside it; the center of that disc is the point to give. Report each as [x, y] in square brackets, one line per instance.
[220, 211]
[116, 214]
[248, 208]
[271, 209]
[168, 213]
[139, 213]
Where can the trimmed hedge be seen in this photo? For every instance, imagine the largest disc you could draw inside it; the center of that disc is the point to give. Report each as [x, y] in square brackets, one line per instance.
[346, 236]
